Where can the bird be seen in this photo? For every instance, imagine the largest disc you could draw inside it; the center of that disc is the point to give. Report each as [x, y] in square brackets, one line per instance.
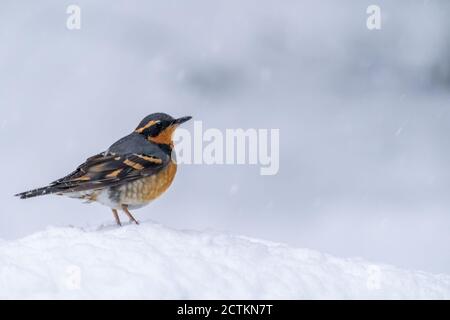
[132, 172]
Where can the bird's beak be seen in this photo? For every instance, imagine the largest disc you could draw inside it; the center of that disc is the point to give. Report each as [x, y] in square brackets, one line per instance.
[181, 120]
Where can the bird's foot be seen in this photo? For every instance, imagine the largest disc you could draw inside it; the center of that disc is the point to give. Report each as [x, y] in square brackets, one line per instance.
[116, 217]
[128, 213]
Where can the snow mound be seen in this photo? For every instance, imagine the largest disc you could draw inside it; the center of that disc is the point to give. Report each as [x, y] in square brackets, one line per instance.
[152, 261]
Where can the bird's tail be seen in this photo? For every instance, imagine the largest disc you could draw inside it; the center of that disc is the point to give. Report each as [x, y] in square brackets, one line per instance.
[37, 192]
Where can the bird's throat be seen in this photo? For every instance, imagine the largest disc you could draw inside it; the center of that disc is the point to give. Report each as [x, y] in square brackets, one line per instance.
[165, 137]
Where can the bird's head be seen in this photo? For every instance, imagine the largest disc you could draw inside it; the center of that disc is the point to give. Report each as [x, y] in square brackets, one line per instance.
[159, 127]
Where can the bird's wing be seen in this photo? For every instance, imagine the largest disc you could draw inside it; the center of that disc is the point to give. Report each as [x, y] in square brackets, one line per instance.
[108, 170]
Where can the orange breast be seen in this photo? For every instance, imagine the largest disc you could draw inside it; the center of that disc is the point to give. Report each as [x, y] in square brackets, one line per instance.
[156, 185]
[142, 191]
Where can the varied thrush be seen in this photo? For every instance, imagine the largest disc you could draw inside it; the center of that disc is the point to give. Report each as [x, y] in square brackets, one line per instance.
[132, 172]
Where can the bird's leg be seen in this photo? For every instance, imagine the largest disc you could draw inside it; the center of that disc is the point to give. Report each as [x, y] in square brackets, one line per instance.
[125, 209]
[116, 217]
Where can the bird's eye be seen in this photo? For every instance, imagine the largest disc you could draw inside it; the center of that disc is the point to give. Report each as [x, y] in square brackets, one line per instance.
[158, 126]
[155, 129]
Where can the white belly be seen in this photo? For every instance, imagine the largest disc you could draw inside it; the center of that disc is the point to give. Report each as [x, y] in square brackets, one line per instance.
[104, 197]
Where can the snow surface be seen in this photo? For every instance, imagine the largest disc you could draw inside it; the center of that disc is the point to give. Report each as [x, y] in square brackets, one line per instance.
[152, 261]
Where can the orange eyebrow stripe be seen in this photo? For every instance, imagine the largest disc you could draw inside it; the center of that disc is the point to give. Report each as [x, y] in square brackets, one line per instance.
[133, 164]
[150, 159]
[148, 125]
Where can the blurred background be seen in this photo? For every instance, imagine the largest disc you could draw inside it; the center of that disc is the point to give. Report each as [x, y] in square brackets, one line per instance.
[363, 116]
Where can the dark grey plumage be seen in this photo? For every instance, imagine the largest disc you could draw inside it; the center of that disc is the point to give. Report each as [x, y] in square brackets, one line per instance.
[137, 143]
